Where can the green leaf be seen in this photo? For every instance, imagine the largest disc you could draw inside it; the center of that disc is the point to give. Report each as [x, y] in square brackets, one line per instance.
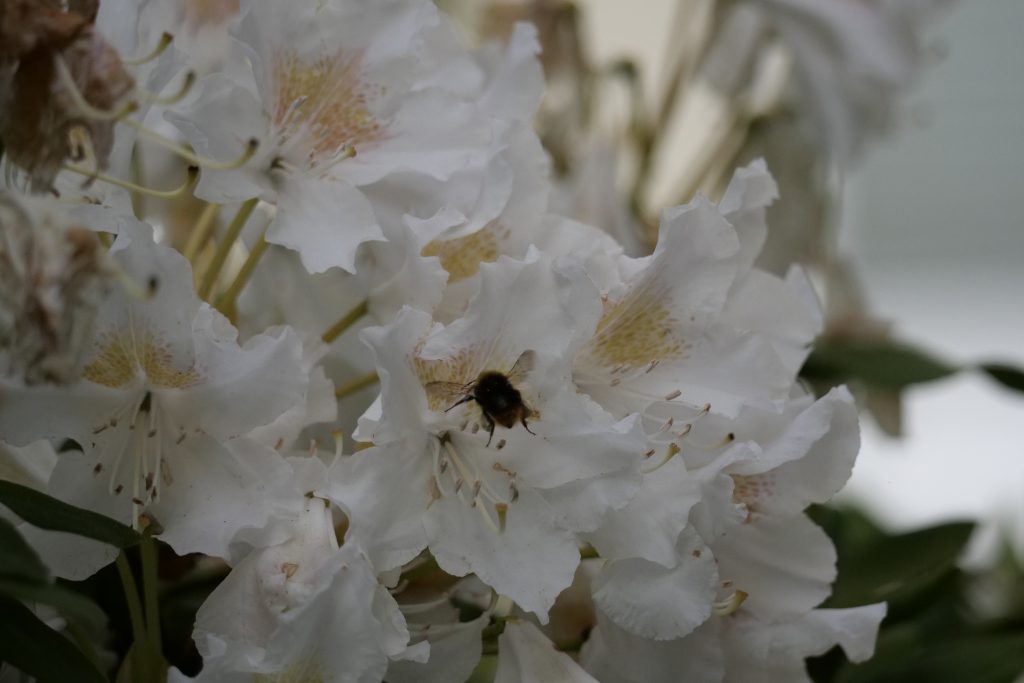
[881, 365]
[69, 603]
[899, 567]
[1007, 375]
[47, 512]
[18, 561]
[905, 655]
[28, 644]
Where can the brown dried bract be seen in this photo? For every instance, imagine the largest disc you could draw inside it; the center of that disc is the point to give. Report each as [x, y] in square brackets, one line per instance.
[39, 115]
[27, 25]
[52, 278]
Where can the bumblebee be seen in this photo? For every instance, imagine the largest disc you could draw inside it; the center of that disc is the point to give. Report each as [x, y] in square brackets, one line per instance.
[495, 392]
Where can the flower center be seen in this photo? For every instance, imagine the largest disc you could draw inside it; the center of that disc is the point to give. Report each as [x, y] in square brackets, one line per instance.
[462, 256]
[325, 103]
[457, 474]
[121, 358]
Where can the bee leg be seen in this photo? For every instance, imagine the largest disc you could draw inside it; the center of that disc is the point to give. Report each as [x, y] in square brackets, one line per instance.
[465, 399]
[526, 426]
[490, 427]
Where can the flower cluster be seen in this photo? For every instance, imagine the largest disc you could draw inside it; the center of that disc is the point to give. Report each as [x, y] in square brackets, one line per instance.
[569, 444]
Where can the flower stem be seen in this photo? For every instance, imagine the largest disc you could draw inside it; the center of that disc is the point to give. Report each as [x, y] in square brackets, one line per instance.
[355, 385]
[224, 247]
[226, 301]
[200, 232]
[140, 664]
[150, 563]
[346, 322]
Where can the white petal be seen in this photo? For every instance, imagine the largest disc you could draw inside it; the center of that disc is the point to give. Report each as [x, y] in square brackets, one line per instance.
[764, 652]
[531, 561]
[525, 655]
[786, 566]
[654, 601]
[453, 656]
[808, 462]
[385, 491]
[325, 220]
[216, 490]
[614, 655]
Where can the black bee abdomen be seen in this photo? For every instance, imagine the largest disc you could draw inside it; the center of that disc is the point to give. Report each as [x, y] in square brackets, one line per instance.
[497, 397]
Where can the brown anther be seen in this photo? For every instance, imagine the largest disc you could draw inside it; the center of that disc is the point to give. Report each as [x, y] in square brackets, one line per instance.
[138, 501]
[674, 395]
[289, 569]
[501, 444]
[118, 489]
[98, 468]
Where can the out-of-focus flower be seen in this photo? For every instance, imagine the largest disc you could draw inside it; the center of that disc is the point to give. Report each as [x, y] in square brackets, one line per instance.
[61, 100]
[53, 276]
[852, 59]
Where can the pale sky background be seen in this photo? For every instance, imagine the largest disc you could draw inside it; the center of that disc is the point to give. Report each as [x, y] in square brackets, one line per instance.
[934, 219]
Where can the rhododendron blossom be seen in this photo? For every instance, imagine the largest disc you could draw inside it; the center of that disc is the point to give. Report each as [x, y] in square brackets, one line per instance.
[359, 368]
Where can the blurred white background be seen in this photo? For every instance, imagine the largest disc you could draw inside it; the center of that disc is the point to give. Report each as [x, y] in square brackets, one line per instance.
[934, 220]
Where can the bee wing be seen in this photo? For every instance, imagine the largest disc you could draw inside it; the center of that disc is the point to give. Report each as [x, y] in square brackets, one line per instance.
[522, 368]
[445, 392]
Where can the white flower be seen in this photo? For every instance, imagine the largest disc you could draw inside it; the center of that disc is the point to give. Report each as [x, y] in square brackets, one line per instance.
[503, 507]
[853, 59]
[338, 100]
[164, 391]
[751, 511]
[733, 649]
[302, 608]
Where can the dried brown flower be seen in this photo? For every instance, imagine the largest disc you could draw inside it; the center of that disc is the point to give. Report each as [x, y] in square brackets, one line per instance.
[42, 122]
[52, 278]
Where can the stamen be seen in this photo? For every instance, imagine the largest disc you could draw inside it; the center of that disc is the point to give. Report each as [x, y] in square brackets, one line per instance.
[165, 41]
[670, 453]
[674, 395]
[725, 441]
[164, 100]
[86, 109]
[730, 604]
[192, 157]
[193, 174]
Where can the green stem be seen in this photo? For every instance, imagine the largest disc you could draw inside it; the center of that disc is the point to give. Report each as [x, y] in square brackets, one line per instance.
[150, 563]
[227, 300]
[224, 247]
[140, 665]
[355, 385]
[346, 322]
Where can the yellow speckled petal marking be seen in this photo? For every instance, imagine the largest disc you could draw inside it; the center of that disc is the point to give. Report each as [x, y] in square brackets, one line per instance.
[462, 256]
[330, 96]
[120, 358]
[638, 329]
